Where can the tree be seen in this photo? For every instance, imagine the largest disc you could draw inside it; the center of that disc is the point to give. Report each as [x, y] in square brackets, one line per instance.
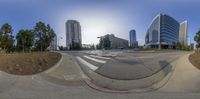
[197, 39]
[44, 36]
[1, 37]
[100, 43]
[92, 46]
[106, 42]
[25, 40]
[6, 38]
[179, 46]
[97, 46]
[75, 46]
[61, 48]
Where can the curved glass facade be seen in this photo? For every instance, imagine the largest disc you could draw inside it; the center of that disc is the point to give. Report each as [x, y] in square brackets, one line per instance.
[154, 28]
[133, 41]
[163, 31]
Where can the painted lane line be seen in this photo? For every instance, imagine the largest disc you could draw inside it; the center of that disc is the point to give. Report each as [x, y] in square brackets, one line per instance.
[99, 57]
[87, 64]
[96, 60]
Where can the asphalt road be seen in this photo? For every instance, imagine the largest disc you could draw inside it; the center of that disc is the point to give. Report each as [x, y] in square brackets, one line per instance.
[65, 81]
[126, 65]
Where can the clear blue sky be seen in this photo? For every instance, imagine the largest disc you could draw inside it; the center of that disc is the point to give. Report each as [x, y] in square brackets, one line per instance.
[98, 17]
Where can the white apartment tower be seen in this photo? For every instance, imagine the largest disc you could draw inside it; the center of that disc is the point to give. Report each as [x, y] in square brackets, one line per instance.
[183, 33]
[73, 33]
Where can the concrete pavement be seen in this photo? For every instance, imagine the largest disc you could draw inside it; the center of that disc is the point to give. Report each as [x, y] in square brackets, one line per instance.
[182, 84]
[127, 66]
[126, 72]
[185, 78]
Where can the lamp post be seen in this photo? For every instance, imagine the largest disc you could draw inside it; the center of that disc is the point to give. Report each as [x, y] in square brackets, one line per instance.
[58, 41]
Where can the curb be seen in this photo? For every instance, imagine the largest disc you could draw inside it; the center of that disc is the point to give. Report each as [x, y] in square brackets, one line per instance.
[103, 88]
[92, 85]
[56, 65]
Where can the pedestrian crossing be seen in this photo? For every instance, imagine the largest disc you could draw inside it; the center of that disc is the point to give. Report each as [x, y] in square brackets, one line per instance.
[92, 61]
[99, 57]
[87, 63]
[96, 60]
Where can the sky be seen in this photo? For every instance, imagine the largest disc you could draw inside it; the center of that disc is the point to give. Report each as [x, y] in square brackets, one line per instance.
[98, 17]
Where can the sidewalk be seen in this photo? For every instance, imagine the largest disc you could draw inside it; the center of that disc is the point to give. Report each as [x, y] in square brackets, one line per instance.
[184, 83]
[185, 78]
[61, 81]
[67, 71]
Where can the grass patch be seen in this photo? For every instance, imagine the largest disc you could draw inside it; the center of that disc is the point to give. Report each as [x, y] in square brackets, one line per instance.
[195, 60]
[28, 63]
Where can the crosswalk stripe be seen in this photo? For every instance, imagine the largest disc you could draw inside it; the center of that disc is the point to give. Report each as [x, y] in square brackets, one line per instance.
[96, 60]
[87, 64]
[99, 57]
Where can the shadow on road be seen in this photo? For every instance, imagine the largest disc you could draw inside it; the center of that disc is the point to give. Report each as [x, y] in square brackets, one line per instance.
[166, 67]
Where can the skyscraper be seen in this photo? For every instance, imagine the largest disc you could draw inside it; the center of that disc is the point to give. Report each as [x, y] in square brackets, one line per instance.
[183, 33]
[73, 34]
[163, 32]
[133, 41]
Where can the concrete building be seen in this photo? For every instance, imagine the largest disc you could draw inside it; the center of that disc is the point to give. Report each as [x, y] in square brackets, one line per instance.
[164, 32]
[132, 38]
[73, 33]
[183, 33]
[54, 45]
[117, 43]
[88, 46]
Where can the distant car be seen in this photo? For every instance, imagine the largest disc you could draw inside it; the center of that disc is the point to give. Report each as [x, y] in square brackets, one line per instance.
[121, 48]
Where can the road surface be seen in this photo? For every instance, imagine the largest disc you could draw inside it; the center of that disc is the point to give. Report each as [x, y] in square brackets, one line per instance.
[65, 82]
[126, 66]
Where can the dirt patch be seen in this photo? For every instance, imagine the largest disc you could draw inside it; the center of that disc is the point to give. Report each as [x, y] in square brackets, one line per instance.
[28, 63]
[195, 60]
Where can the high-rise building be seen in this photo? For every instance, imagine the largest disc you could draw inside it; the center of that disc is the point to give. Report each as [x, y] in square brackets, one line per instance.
[183, 33]
[73, 34]
[132, 37]
[164, 32]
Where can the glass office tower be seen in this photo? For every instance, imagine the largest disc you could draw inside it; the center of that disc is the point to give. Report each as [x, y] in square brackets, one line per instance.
[163, 32]
[133, 41]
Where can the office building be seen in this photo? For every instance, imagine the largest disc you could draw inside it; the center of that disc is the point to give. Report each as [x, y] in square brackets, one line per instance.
[117, 43]
[73, 34]
[164, 32]
[132, 37]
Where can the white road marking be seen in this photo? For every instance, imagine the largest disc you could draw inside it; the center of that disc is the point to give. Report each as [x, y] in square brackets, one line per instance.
[96, 60]
[69, 77]
[87, 64]
[99, 57]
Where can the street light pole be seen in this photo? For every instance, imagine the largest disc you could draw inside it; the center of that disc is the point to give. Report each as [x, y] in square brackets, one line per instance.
[58, 41]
